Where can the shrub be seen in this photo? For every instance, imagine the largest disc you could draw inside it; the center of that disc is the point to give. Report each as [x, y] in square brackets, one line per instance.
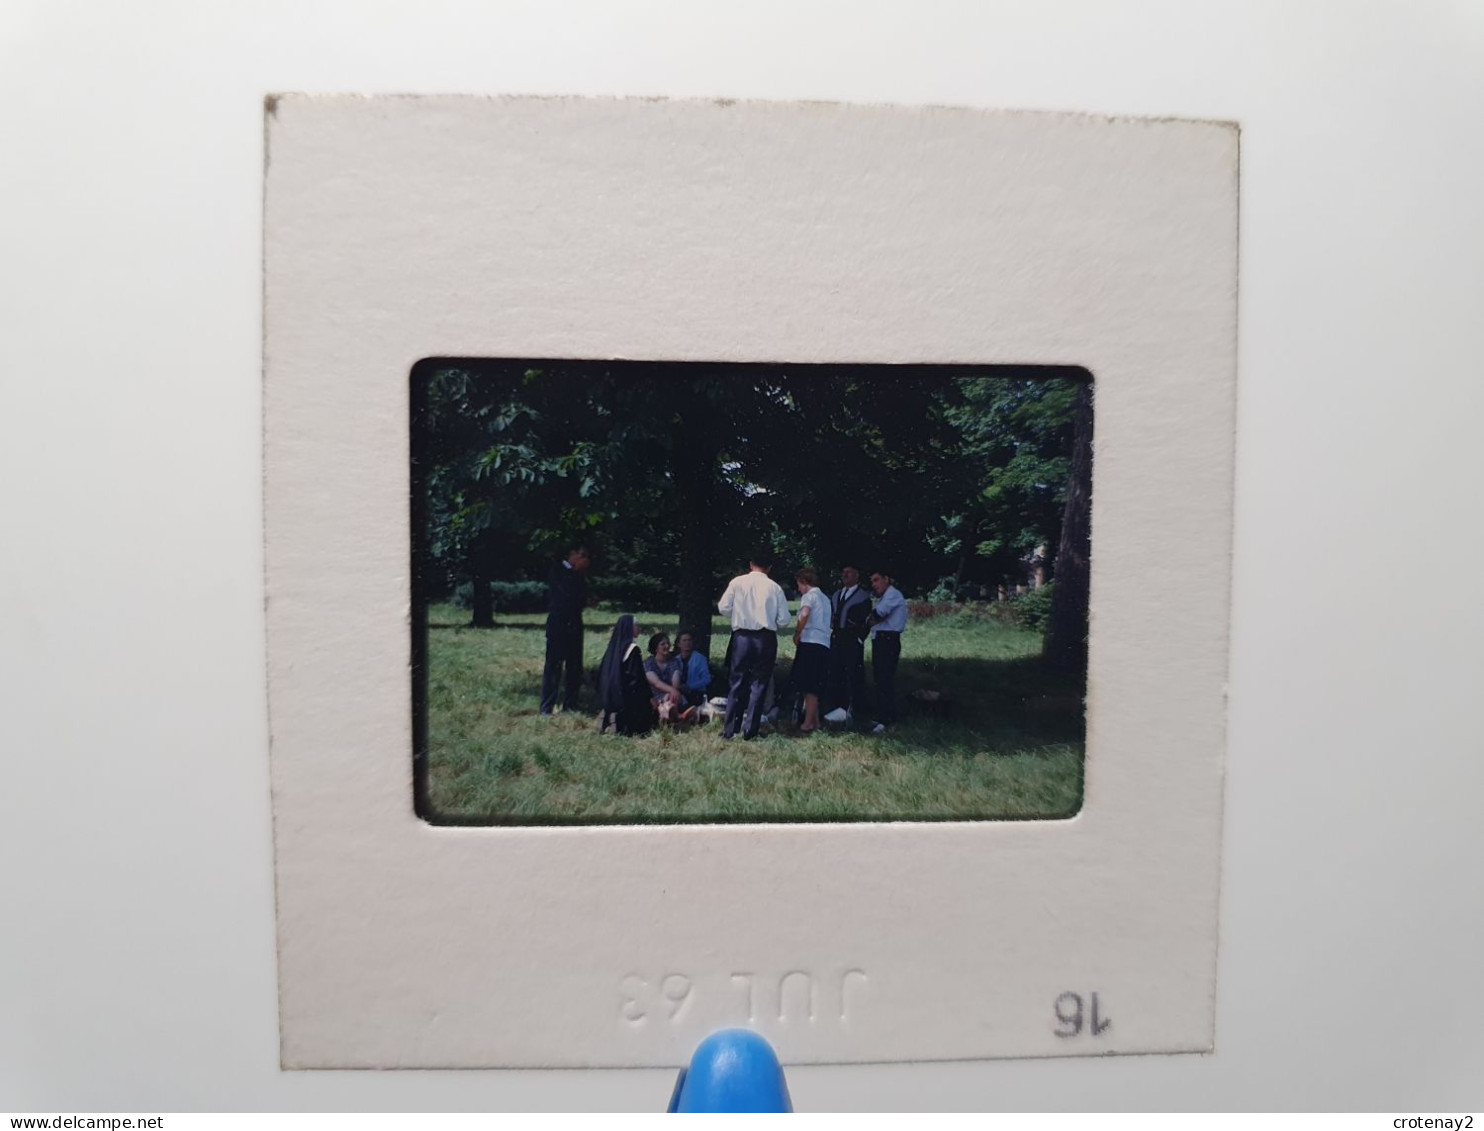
[509, 596]
[924, 610]
[943, 591]
[634, 592]
[1002, 612]
[1033, 611]
[519, 596]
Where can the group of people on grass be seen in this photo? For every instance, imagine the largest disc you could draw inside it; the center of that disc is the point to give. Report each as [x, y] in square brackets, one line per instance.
[673, 684]
[637, 693]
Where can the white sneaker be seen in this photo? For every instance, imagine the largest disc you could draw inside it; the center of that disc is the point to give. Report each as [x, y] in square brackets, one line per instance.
[838, 715]
[879, 728]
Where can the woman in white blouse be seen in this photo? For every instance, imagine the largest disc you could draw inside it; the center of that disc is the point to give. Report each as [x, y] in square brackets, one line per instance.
[812, 641]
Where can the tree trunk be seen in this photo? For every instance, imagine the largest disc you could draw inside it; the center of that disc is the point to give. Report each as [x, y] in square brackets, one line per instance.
[695, 458]
[697, 603]
[969, 542]
[1065, 649]
[481, 573]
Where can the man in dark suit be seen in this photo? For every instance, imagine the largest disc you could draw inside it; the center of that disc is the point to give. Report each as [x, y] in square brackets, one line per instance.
[849, 608]
[566, 595]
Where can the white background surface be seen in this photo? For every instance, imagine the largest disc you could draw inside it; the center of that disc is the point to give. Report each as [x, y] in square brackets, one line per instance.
[136, 944]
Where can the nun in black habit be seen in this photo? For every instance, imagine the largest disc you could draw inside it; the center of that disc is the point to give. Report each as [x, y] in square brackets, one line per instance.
[623, 689]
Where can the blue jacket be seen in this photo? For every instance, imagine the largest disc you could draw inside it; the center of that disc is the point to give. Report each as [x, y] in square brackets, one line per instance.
[695, 675]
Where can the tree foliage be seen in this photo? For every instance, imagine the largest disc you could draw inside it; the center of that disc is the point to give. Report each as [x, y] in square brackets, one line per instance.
[675, 473]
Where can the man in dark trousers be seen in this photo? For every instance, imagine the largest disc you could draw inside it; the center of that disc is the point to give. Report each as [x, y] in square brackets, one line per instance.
[758, 609]
[566, 595]
[849, 608]
[888, 620]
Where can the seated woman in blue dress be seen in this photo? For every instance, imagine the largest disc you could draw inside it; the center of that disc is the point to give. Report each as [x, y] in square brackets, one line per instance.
[663, 672]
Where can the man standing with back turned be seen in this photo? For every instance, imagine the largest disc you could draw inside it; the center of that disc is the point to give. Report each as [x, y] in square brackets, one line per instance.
[758, 610]
[566, 594]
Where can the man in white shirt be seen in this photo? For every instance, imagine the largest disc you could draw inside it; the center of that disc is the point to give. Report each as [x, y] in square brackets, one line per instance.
[758, 609]
[888, 621]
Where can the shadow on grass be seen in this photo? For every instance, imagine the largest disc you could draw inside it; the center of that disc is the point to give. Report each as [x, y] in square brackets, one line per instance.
[978, 700]
[980, 697]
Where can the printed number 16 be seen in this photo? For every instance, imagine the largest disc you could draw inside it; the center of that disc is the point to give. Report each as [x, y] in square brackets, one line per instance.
[1069, 1013]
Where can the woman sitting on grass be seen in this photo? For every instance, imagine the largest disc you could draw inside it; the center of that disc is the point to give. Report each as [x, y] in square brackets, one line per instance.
[663, 672]
[623, 688]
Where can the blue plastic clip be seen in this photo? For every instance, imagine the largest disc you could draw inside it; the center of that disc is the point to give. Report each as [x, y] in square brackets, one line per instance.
[732, 1070]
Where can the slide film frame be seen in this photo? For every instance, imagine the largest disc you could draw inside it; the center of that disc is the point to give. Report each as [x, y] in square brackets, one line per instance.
[404, 228]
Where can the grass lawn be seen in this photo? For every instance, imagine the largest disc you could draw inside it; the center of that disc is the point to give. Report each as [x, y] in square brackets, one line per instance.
[1011, 747]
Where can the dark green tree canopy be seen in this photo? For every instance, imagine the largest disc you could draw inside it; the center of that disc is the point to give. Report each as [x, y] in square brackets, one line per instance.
[949, 478]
